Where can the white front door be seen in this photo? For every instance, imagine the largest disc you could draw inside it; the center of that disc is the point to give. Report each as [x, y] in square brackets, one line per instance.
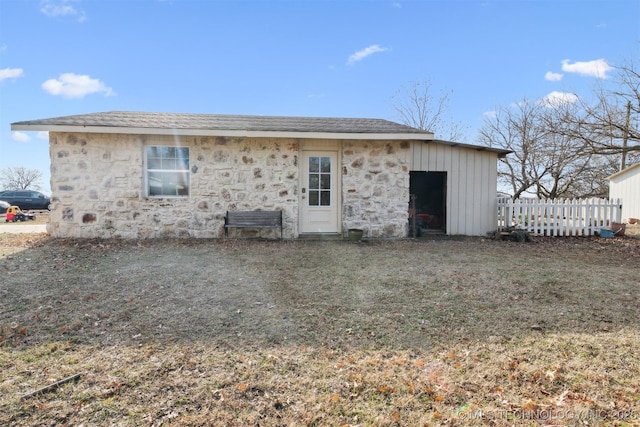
[319, 192]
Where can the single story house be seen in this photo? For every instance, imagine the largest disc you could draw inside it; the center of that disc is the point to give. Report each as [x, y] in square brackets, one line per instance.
[625, 185]
[147, 175]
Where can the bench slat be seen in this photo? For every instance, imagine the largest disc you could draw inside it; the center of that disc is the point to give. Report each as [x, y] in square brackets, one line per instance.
[253, 219]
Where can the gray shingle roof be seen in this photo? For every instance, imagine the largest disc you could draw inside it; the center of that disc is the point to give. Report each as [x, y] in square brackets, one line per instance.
[237, 125]
[145, 120]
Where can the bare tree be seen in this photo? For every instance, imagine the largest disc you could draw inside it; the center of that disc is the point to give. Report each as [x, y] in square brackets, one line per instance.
[573, 169]
[610, 123]
[419, 108]
[516, 129]
[568, 149]
[544, 163]
[592, 180]
[20, 178]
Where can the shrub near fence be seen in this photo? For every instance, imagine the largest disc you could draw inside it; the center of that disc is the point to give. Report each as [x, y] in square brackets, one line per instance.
[559, 217]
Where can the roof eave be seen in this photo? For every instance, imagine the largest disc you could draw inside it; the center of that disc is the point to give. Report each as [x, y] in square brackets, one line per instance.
[502, 153]
[222, 132]
[623, 171]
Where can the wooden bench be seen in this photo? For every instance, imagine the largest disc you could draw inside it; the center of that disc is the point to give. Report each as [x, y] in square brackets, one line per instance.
[252, 219]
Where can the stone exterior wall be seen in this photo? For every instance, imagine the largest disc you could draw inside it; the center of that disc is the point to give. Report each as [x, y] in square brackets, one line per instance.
[98, 186]
[375, 186]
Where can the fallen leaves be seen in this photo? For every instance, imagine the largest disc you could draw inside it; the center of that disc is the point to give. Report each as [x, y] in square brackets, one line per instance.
[280, 385]
[385, 389]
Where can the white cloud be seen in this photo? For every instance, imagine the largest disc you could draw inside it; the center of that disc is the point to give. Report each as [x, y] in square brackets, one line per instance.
[361, 54]
[596, 68]
[556, 99]
[58, 8]
[43, 134]
[490, 114]
[10, 73]
[553, 77]
[20, 137]
[70, 85]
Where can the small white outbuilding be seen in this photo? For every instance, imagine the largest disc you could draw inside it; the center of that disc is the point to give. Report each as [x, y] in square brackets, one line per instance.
[626, 186]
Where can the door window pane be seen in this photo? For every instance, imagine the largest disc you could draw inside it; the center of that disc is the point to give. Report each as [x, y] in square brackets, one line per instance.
[325, 164]
[325, 182]
[313, 198]
[325, 198]
[319, 178]
[314, 182]
[313, 164]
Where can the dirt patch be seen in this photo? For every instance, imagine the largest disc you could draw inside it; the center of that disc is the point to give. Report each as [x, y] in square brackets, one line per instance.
[462, 331]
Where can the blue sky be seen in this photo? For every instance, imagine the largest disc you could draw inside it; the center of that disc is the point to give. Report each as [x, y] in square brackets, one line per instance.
[300, 58]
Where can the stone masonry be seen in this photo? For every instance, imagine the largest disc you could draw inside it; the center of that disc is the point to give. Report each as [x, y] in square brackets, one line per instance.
[98, 180]
[98, 186]
[375, 187]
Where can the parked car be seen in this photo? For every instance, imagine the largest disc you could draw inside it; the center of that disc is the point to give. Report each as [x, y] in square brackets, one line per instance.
[26, 199]
[4, 206]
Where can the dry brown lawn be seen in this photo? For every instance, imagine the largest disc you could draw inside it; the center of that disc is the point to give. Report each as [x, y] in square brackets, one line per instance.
[452, 331]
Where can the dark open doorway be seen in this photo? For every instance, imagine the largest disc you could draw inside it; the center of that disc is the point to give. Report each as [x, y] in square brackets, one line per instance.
[430, 191]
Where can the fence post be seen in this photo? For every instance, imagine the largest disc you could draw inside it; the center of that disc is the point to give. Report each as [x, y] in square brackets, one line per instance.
[594, 216]
[619, 210]
[510, 212]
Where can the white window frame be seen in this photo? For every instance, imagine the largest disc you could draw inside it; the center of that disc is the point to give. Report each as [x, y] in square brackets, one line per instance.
[151, 168]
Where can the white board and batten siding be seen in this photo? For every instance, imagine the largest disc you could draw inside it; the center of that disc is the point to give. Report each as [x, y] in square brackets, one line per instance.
[625, 185]
[472, 176]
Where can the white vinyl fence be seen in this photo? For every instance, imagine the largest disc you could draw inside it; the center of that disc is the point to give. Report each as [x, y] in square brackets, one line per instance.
[559, 217]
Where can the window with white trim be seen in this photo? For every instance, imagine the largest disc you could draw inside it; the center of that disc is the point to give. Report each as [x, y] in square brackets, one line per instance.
[167, 171]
